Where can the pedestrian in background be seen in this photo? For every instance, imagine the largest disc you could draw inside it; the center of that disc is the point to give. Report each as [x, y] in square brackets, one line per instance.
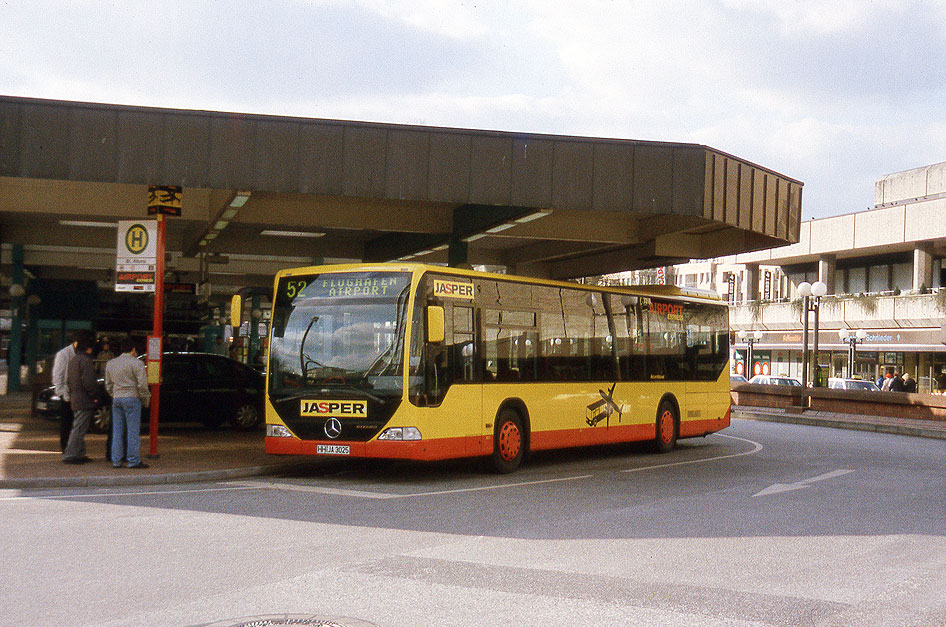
[909, 383]
[126, 381]
[220, 346]
[896, 383]
[83, 397]
[888, 380]
[105, 353]
[60, 370]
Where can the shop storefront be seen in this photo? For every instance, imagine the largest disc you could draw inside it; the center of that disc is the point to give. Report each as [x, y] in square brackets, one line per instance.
[921, 352]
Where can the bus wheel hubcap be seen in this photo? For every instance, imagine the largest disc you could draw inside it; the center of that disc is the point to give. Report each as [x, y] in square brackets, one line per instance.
[509, 441]
[666, 426]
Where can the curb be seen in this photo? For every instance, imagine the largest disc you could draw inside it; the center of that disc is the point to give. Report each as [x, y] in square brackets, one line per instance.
[106, 481]
[834, 423]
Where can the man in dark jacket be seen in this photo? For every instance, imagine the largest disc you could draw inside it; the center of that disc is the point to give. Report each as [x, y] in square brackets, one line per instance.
[896, 384]
[909, 383]
[83, 398]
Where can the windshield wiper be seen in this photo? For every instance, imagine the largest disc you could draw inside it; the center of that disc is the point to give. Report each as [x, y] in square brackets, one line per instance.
[351, 386]
[387, 355]
[322, 388]
[304, 359]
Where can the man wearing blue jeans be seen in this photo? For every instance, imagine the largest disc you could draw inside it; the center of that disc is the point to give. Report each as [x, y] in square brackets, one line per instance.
[126, 381]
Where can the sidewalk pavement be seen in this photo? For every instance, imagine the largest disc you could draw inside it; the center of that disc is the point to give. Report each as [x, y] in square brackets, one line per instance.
[860, 422]
[30, 456]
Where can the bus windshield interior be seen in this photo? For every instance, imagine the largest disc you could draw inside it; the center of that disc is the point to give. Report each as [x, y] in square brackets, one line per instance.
[339, 330]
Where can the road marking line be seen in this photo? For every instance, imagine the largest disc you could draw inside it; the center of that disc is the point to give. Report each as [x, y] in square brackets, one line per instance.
[380, 495]
[262, 485]
[258, 485]
[758, 447]
[111, 494]
[777, 488]
[383, 495]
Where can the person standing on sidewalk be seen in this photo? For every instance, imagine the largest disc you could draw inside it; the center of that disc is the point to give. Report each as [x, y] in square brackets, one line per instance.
[105, 354]
[60, 370]
[909, 383]
[83, 397]
[896, 384]
[126, 381]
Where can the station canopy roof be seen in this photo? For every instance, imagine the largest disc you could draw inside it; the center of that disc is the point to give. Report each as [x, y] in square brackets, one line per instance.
[263, 192]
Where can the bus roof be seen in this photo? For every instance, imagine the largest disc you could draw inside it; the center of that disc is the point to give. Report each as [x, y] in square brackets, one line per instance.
[667, 291]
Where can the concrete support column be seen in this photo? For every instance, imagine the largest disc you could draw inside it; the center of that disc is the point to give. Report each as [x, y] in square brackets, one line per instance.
[712, 277]
[458, 253]
[752, 281]
[17, 305]
[827, 266]
[32, 339]
[923, 266]
[254, 330]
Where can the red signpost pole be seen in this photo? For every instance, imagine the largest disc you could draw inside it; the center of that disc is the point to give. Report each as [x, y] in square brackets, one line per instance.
[157, 335]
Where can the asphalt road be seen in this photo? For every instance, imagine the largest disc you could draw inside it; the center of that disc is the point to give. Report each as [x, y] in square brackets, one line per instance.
[762, 524]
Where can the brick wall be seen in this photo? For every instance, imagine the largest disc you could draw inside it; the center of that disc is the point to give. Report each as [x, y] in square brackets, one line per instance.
[894, 404]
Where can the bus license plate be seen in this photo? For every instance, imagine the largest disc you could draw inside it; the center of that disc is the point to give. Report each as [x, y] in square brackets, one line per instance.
[333, 449]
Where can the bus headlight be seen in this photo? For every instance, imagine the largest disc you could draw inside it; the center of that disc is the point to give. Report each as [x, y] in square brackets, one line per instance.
[400, 433]
[277, 431]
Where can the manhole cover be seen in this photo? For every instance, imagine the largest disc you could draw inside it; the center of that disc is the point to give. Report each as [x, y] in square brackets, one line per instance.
[290, 619]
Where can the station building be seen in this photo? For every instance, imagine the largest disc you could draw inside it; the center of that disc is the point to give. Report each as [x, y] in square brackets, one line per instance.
[884, 270]
[258, 193]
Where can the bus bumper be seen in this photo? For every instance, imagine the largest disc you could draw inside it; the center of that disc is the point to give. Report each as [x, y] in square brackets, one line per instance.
[422, 450]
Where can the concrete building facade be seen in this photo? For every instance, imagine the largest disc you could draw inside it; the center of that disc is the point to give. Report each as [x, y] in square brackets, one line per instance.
[885, 273]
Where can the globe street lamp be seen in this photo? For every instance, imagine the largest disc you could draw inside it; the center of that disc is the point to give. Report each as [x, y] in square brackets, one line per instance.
[750, 338]
[807, 290]
[852, 338]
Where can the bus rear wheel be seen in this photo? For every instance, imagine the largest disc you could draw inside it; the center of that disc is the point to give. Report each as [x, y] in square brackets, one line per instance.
[508, 442]
[666, 437]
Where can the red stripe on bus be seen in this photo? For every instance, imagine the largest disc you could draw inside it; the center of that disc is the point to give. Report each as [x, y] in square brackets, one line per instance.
[471, 446]
[696, 428]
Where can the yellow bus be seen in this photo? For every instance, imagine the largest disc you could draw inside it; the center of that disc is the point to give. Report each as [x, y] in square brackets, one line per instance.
[410, 361]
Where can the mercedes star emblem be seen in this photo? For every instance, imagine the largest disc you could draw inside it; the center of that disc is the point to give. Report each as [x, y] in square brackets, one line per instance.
[333, 428]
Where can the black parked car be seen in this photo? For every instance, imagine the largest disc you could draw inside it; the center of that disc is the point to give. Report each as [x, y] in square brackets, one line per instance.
[195, 387]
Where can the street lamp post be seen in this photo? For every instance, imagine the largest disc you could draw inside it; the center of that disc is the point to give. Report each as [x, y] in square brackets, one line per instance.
[750, 338]
[852, 338]
[807, 290]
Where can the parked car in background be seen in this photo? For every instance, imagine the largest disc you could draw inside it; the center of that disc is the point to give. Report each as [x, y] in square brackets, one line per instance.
[736, 379]
[767, 379]
[195, 387]
[852, 384]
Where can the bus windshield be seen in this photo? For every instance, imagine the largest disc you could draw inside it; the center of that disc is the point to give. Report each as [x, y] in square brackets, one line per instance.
[339, 330]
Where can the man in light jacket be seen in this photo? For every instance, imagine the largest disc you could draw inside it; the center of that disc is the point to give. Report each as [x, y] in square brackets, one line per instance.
[126, 381]
[60, 368]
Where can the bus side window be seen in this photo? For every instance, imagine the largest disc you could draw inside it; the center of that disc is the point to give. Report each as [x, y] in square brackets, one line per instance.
[436, 373]
[490, 353]
[461, 350]
[450, 361]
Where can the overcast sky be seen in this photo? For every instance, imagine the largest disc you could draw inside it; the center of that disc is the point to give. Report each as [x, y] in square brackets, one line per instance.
[835, 94]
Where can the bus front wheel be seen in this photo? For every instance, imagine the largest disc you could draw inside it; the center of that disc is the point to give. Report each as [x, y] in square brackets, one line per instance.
[666, 437]
[509, 442]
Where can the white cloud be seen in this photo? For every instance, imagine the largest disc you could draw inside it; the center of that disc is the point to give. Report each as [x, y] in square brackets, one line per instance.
[802, 17]
[459, 20]
[830, 93]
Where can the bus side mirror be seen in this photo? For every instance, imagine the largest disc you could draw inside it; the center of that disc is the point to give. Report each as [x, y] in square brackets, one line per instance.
[435, 325]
